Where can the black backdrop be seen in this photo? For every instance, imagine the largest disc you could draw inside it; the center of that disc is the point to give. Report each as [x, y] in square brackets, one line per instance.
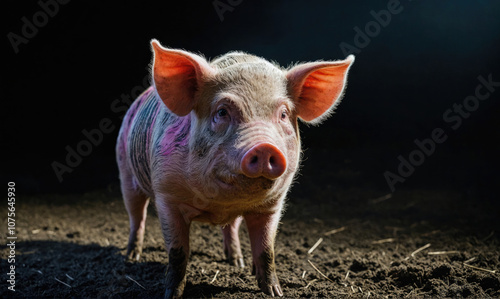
[67, 64]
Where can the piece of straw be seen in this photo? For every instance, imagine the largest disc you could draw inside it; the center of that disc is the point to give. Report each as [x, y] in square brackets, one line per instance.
[388, 240]
[315, 245]
[334, 231]
[133, 280]
[63, 282]
[319, 271]
[314, 280]
[215, 276]
[480, 269]
[443, 252]
[420, 249]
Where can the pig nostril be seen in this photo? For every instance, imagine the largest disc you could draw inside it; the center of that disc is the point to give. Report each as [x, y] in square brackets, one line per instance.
[263, 160]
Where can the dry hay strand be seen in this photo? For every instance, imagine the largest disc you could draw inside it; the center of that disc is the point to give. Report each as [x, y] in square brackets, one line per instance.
[62, 282]
[135, 281]
[315, 245]
[215, 276]
[311, 282]
[481, 269]
[321, 273]
[418, 250]
[443, 252]
[334, 231]
[388, 240]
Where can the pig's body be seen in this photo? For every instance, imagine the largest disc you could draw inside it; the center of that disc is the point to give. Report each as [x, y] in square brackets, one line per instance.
[155, 141]
[218, 143]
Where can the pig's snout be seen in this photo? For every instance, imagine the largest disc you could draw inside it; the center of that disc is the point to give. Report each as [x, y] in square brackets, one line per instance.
[264, 160]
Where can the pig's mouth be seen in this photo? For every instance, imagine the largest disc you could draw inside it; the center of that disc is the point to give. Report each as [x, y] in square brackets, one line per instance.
[227, 182]
[244, 183]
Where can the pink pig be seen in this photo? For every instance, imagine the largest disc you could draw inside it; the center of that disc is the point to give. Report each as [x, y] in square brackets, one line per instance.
[219, 142]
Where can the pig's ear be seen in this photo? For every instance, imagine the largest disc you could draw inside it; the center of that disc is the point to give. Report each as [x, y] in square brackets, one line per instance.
[177, 75]
[317, 87]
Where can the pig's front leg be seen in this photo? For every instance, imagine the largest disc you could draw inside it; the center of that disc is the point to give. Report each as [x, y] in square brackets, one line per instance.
[175, 229]
[262, 230]
[232, 247]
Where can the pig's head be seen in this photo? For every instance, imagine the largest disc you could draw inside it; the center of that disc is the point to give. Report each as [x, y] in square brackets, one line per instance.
[244, 146]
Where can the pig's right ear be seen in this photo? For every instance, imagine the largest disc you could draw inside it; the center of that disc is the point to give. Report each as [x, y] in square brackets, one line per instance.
[177, 75]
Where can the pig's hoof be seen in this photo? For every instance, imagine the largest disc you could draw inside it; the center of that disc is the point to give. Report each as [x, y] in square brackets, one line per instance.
[134, 257]
[134, 254]
[238, 262]
[273, 290]
[271, 285]
[234, 255]
[175, 291]
[236, 258]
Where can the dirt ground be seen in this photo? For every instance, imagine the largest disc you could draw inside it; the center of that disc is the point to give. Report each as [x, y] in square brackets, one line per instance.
[413, 243]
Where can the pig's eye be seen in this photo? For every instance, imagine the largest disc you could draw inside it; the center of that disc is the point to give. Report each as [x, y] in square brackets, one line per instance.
[222, 112]
[221, 116]
[284, 114]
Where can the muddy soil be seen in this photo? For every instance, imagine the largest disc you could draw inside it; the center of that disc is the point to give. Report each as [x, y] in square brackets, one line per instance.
[413, 243]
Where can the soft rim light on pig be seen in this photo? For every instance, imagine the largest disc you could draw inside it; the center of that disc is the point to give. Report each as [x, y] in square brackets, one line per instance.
[219, 142]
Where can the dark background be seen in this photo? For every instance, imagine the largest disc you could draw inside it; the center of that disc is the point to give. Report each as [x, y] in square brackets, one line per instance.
[427, 58]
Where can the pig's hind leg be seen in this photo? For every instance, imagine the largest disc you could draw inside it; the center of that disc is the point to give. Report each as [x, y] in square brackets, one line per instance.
[136, 203]
[232, 247]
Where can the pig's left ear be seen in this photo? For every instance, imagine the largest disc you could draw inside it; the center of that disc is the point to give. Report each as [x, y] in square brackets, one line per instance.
[177, 75]
[317, 87]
